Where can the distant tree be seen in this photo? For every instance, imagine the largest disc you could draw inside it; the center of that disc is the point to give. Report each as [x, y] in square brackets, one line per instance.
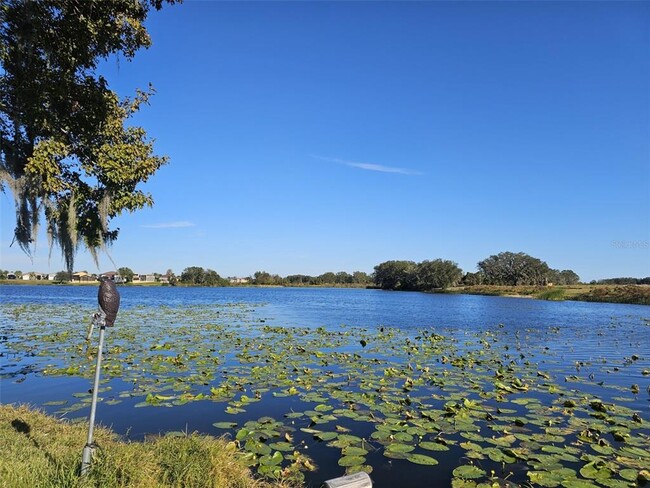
[299, 280]
[18, 273]
[63, 276]
[343, 278]
[553, 276]
[569, 277]
[265, 278]
[3, 274]
[171, 277]
[472, 279]
[624, 281]
[194, 275]
[396, 275]
[438, 273]
[361, 277]
[126, 274]
[212, 278]
[328, 278]
[508, 268]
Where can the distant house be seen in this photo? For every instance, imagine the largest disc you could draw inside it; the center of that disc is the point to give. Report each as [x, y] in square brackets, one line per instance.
[83, 277]
[33, 275]
[238, 281]
[11, 276]
[146, 278]
[113, 276]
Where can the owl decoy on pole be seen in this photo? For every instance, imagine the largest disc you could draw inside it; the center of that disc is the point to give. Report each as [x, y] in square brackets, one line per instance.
[109, 300]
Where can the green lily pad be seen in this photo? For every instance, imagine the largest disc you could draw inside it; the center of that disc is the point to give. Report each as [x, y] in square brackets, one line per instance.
[576, 483]
[281, 446]
[55, 403]
[399, 447]
[433, 446]
[326, 436]
[272, 460]
[468, 471]
[347, 461]
[421, 459]
[354, 451]
[629, 474]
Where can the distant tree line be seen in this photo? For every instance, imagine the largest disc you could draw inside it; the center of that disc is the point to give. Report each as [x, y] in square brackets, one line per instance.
[424, 276]
[329, 278]
[622, 281]
[506, 268]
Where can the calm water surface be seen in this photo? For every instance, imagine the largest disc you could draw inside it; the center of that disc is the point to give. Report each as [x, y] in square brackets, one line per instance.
[600, 332]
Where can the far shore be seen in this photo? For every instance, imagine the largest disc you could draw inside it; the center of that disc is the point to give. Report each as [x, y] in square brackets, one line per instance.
[631, 294]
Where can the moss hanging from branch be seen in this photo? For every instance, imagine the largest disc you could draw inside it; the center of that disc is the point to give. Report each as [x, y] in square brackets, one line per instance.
[66, 151]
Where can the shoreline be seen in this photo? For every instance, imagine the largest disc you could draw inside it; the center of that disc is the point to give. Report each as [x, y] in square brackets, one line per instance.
[629, 294]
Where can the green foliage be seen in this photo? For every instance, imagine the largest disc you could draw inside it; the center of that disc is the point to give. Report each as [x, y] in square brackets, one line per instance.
[437, 274]
[508, 268]
[341, 278]
[424, 276]
[564, 277]
[63, 276]
[473, 279]
[396, 275]
[552, 294]
[171, 277]
[264, 278]
[623, 281]
[126, 274]
[65, 148]
[195, 275]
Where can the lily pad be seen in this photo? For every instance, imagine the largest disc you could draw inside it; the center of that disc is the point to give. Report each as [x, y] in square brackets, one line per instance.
[468, 471]
[347, 461]
[422, 459]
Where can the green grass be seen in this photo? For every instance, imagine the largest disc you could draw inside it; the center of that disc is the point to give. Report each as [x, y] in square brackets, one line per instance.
[552, 294]
[41, 451]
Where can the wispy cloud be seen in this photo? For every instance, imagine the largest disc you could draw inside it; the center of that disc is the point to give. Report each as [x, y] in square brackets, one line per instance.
[170, 225]
[371, 166]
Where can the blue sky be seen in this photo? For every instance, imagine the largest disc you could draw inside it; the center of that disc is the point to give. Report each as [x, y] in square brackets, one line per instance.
[307, 137]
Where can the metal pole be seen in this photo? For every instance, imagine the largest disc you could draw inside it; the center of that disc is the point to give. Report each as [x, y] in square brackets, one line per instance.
[86, 458]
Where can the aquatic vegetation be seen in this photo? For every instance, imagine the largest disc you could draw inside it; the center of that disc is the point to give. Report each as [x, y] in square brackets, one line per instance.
[495, 405]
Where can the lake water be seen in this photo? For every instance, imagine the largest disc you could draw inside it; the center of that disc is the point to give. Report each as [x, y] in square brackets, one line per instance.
[561, 350]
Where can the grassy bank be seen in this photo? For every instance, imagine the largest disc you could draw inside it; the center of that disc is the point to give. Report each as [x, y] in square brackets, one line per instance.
[39, 450]
[635, 294]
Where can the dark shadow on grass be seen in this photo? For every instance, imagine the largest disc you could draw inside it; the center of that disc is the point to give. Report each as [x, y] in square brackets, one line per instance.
[22, 427]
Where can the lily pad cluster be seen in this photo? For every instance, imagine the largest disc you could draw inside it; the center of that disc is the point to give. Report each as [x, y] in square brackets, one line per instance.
[475, 408]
